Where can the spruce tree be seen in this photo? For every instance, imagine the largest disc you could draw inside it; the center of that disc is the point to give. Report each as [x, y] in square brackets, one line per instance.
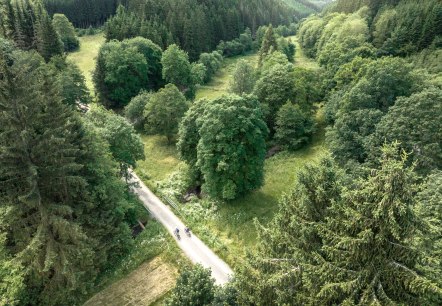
[283, 269]
[48, 40]
[369, 258]
[40, 180]
[59, 184]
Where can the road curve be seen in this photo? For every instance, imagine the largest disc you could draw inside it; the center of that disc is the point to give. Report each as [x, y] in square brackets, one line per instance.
[192, 246]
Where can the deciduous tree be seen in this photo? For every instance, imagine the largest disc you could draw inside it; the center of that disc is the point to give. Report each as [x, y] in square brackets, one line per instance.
[164, 111]
[66, 31]
[293, 127]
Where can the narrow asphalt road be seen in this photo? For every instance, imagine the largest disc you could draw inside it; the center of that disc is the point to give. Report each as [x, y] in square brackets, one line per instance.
[192, 246]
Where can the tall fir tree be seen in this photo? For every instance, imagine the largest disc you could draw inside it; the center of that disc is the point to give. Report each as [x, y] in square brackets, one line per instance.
[65, 202]
[49, 43]
[369, 256]
[40, 181]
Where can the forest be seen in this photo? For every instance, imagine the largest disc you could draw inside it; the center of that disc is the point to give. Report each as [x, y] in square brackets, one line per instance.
[301, 141]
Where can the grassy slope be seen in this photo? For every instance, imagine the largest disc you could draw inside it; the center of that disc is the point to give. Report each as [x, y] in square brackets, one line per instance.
[300, 59]
[232, 230]
[85, 57]
[146, 275]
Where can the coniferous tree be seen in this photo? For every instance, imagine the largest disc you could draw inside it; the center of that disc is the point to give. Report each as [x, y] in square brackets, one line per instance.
[40, 177]
[65, 204]
[336, 241]
[429, 240]
[369, 256]
[49, 43]
[283, 269]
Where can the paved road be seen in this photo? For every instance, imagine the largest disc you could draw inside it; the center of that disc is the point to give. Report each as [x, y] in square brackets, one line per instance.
[193, 247]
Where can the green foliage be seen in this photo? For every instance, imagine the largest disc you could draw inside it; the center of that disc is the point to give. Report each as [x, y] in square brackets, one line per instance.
[124, 68]
[164, 111]
[237, 46]
[134, 111]
[429, 209]
[124, 144]
[287, 47]
[370, 259]
[308, 88]
[282, 270]
[360, 107]
[178, 71]
[71, 82]
[198, 73]
[244, 78]
[231, 148]
[350, 133]
[83, 13]
[269, 44]
[293, 128]
[408, 27]
[333, 242]
[48, 40]
[309, 33]
[213, 62]
[223, 141]
[11, 273]
[197, 26]
[227, 295]
[195, 286]
[59, 187]
[188, 137]
[274, 89]
[122, 25]
[420, 113]
[66, 31]
[276, 58]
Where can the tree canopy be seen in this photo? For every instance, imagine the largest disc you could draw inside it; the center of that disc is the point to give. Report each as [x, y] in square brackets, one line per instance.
[125, 68]
[229, 135]
[164, 111]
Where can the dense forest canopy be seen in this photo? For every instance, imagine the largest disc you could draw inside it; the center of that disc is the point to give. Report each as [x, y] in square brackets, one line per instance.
[84, 13]
[196, 26]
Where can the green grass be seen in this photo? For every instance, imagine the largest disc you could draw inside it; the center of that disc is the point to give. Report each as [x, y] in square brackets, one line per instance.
[219, 85]
[85, 57]
[300, 59]
[161, 160]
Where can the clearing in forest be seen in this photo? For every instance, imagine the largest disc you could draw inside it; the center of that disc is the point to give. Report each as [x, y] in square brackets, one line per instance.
[219, 85]
[148, 283]
[85, 57]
